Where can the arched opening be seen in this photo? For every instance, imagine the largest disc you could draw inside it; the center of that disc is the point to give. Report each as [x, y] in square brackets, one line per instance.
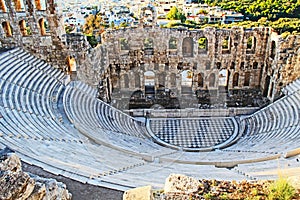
[71, 62]
[255, 65]
[137, 80]
[19, 5]
[226, 44]
[149, 78]
[232, 66]
[24, 28]
[202, 45]
[200, 80]
[126, 80]
[124, 44]
[235, 81]
[148, 46]
[173, 80]
[188, 47]
[242, 65]
[212, 80]
[223, 79]
[207, 65]
[161, 80]
[42, 25]
[40, 4]
[247, 79]
[273, 49]
[173, 43]
[3, 6]
[266, 88]
[186, 81]
[251, 44]
[7, 29]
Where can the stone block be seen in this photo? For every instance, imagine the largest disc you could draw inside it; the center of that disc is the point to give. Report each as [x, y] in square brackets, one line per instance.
[141, 193]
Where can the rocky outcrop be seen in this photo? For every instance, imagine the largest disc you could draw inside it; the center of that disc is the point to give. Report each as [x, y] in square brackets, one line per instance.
[181, 187]
[16, 184]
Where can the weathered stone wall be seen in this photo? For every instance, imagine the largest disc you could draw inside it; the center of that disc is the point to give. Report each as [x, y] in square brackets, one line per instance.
[234, 58]
[129, 65]
[37, 29]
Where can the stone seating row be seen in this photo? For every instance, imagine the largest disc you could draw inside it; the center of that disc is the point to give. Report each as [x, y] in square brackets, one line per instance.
[292, 87]
[28, 95]
[90, 111]
[81, 161]
[282, 113]
[107, 125]
[25, 76]
[275, 128]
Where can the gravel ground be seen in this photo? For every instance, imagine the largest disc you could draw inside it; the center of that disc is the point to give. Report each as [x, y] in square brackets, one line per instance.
[79, 190]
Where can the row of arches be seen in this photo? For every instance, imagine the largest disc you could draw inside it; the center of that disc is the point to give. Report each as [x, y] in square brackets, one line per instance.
[19, 5]
[25, 28]
[188, 44]
[188, 79]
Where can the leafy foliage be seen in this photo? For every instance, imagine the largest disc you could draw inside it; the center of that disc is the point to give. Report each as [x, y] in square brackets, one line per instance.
[93, 22]
[175, 14]
[281, 189]
[254, 10]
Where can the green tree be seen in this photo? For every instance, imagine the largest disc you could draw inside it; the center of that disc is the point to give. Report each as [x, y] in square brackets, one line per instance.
[93, 22]
[175, 14]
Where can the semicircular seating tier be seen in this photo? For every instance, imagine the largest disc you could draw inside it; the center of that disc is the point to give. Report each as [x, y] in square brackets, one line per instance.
[64, 129]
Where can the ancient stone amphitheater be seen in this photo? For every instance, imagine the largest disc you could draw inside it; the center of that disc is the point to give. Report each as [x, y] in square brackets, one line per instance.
[54, 120]
[66, 130]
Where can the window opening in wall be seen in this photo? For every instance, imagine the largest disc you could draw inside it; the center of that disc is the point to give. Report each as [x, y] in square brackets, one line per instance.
[173, 43]
[149, 78]
[255, 65]
[186, 81]
[19, 5]
[212, 79]
[137, 80]
[40, 4]
[235, 81]
[24, 28]
[251, 45]
[273, 49]
[173, 80]
[3, 6]
[126, 81]
[232, 66]
[124, 44]
[218, 65]
[161, 80]
[226, 44]
[187, 47]
[7, 29]
[148, 46]
[223, 78]
[167, 67]
[173, 46]
[71, 62]
[42, 25]
[200, 80]
[242, 65]
[202, 45]
[247, 79]
[207, 65]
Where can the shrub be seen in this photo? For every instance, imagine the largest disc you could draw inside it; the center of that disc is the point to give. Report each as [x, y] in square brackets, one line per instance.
[281, 190]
